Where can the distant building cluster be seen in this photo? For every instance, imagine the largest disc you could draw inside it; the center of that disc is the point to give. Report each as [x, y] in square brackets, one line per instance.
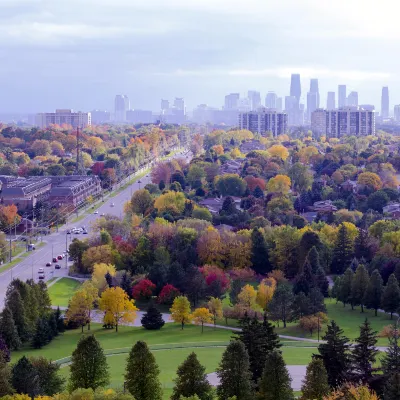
[65, 116]
[264, 120]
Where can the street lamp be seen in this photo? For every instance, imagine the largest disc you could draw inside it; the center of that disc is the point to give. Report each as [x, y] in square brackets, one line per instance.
[139, 182]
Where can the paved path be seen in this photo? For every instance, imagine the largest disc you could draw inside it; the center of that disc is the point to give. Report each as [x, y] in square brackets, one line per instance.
[296, 372]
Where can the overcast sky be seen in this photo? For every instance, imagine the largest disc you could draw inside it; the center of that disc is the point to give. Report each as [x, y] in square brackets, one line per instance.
[80, 53]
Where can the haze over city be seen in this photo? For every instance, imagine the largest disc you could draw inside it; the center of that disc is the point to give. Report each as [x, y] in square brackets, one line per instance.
[79, 54]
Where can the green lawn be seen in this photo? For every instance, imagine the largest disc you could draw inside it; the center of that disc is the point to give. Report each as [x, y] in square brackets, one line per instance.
[62, 291]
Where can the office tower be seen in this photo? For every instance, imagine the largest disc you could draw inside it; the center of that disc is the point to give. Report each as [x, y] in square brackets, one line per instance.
[312, 98]
[179, 104]
[231, 101]
[279, 106]
[64, 116]
[352, 99]
[295, 87]
[264, 120]
[271, 100]
[100, 117]
[244, 104]
[330, 102]
[346, 121]
[164, 105]
[292, 109]
[367, 107]
[385, 103]
[255, 99]
[121, 106]
[342, 96]
[397, 113]
[140, 117]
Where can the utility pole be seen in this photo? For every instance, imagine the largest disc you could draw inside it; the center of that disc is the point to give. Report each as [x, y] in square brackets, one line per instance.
[77, 151]
[52, 252]
[10, 250]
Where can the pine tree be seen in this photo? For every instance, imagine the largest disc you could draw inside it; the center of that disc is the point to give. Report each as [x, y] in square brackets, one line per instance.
[305, 280]
[153, 319]
[16, 306]
[89, 367]
[258, 193]
[391, 359]
[364, 354]
[44, 305]
[59, 320]
[4, 350]
[315, 384]
[322, 282]
[50, 381]
[313, 257]
[109, 279]
[391, 296]
[259, 253]
[142, 374]
[342, 252]
[5, 377]
[392, 387]
[8, 330]
[275, 380]
[126, 283]
[335, 354]
[361, 245]
[316, 301]
[359, 286]
[52, 324]
[234, 373]
[344, 292]
[191, 380]
[374, 292]
[25, 378]
[41, 336]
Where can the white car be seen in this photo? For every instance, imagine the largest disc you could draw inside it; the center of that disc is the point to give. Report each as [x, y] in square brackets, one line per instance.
[96, 212]
[41, 271]
[41, 276]
[112, 205]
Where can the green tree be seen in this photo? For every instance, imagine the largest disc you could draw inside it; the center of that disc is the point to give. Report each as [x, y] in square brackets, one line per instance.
[50, 381]
[191, 380]
[234, 373]
[152, 319]
[8, 330]
[25, 378]
[281, 306]
[16, 306]
[5, 377]
[344, 290]
[41, 336]
[364, 354]
[275, 380]
[374, 292]
[391, 296]
[230, 185]
[342, 252]
[335, 354]
[359, 286]
[89, 367]
[236, 287]
[392, 387]
[391, 359]
[315, 384]
[142, 374]
[301, 176]
[259, 253]
[313, 258]
[378, 200]
[141, 201]
[76, 250]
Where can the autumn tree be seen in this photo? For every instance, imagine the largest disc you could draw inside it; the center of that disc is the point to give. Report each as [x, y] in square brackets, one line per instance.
[100, 271]
[279, 151]
[77, 311]
[96, 255]
[230, 185]
[180, 310]
[370, 179]
[141, 201]
[117, 306]
[202, 316]
[279, 184]
[247, 297]
[265, 292]
[215, 307]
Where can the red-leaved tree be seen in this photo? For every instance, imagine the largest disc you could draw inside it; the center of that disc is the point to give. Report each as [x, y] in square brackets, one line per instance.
[168, 294]
[214, 275]
[143, 290]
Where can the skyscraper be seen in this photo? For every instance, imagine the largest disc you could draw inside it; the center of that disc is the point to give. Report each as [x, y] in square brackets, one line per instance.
[352, 99]
[231, 101]
[164, 105]
[312, 98]
[270, 100]
[255, 99]
[122, 105]
[331, 102]
[342, 96]
[292, 109]
[295, 87]
[385, 102]
[397, 113]
[279, 106]
[179, 103]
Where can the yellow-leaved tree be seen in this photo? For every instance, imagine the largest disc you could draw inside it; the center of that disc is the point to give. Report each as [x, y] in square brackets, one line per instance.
[265, 292]
[247, 297]
[370, 179]
[180, 310]
[279, 184]
[77, 312]
[99, 275]
[202, 316]
[353, 392]
[91, 294]
[279, 151]
[215, 307]
[171, 202]
[117, 307]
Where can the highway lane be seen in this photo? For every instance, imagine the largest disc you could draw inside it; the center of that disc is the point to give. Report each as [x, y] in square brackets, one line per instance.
[56, 243]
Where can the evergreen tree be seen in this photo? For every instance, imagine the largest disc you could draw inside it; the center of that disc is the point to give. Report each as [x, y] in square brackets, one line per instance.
[161, 185]
[359, 286]
[275, 380]
[344, 291]
[391, 296]
[392, 387]
[234, 373]
[52, 324]
[316, 300]
[335, 354]
[336, 288]
[44, 302]
[305, 280]
[313, 257]
[364, 354]
[322, 282]
[50, 381]
[8, 330]
[236, 287]
[126, 283]
[89, 367]
[361, 245]
[258, 193]
[30, 301]
[41, 336]
[342, 252]
[59, 321]
[5, 377]
[281, 306]
[16, 306]
[142, 373]
[191, 380]
[109, 279]
[301, 306]
[391, 359]
[374, 292]
[153, 319]
[315, 384]
[259, 253]
[4, 350]
[24, 378]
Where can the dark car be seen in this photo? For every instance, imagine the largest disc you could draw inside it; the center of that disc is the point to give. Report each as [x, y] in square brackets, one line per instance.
[57, 266]
[85, 232]
[48, 264]
[60, 257]
[54, 260]
[68, 232]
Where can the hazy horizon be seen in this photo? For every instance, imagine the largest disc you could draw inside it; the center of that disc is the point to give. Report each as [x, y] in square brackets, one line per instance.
[80, 54]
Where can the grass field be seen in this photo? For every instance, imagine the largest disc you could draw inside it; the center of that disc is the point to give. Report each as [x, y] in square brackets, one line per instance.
[62, 291]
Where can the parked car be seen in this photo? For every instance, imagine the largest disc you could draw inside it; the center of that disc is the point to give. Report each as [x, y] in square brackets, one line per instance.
[54, 259]
[112, 205]
[57, 266]
[48, 264]
[31, 247]
[96, 212]
[85, 232]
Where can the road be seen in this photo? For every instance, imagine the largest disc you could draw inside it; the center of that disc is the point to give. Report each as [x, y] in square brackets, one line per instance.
[56, 243]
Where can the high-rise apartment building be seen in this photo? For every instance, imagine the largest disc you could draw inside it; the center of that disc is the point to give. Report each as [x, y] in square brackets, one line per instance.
[264, 120]
[121, 106]
[279, 106]
[397, 113]
[385, 103]
[64, 116]
[331, 102]
[255, 99]
[271, 100]
[345, 121]
[231, 101]
[342, 95]
[352, 99]
[318, 121]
